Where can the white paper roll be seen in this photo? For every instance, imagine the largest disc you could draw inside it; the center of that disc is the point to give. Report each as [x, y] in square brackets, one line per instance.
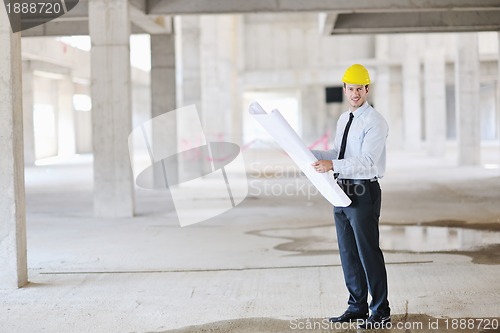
[292, 144]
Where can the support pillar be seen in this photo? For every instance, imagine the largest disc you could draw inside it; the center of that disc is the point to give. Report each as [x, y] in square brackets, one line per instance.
[109, 27]
[163, 95]
[412, 109]
[28, 103]
[498, 91]
[218, 68]
[314, 113]
[65, 118]
[381, 90]
[435, 101]
[13, 263]
[191, 61]
[190, 91]
[467, 99]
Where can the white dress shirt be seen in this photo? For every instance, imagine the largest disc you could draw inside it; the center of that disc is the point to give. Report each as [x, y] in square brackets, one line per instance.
[365, 152]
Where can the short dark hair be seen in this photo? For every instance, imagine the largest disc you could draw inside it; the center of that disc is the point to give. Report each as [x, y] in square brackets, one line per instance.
[366, 86]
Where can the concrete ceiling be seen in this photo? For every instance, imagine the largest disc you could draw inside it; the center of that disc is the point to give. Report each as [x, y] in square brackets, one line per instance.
[339, 16]
[478, 16]
[75, 22]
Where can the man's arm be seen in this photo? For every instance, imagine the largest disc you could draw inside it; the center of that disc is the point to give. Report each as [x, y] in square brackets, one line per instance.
[371, 150]
[324, 162]
[325, 154]
[325, 157]
[323, 165]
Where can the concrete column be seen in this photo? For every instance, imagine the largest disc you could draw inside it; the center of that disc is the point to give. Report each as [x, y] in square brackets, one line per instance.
[238, 70]
[190, 61]
[65, 118]
[218, 48]
[467, 99]
[395, 118]
[13, 263]
[498, 89]
[163, 90]
[28, 103]
[386, 90]
[435, 101]
[412, 109]
[190, 91]
[313, 114]
[163, 94]
[381, 93]
[109, 27]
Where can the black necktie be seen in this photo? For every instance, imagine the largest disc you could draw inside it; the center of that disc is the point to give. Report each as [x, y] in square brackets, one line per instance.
[344, 138]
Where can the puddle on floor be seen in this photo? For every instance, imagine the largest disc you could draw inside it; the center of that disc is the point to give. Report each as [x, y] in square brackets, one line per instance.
[409, 323]
[406, 238]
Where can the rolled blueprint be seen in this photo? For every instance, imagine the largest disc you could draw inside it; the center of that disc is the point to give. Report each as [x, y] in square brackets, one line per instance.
[292, 144]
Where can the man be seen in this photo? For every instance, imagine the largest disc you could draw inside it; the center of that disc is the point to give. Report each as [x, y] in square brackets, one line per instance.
[358, 161]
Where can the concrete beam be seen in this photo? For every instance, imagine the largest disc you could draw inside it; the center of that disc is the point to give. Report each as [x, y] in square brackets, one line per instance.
[59, 28]
[168, 7]
[54, 56]
[80, 11]
[81, 28]
[75, 22]
[149, 24]
[55, 71]
[13, 260]
[357, 16]
[327, 22]
[436, 21]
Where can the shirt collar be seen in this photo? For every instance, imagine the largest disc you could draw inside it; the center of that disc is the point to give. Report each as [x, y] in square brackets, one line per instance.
[361, 110]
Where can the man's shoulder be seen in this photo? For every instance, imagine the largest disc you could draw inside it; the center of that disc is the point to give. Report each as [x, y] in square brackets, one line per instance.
[374, 113]
[376, 116]
[343, 117]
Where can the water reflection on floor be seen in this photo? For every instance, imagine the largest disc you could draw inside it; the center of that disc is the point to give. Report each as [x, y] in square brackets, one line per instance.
[433, 239]
[415, 238]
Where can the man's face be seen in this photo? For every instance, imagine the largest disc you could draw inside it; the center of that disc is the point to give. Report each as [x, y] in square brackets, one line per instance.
[356, 95]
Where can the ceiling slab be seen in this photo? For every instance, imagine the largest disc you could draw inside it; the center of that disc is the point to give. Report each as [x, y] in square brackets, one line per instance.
[173, 7]
[75, 22]
[436, 21]
[341, 16]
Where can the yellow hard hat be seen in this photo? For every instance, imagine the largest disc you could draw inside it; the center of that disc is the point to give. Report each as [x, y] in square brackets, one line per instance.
[356, 74]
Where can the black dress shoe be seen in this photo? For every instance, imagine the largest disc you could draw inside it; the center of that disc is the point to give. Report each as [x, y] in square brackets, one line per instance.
[348, 317]
[376, 322]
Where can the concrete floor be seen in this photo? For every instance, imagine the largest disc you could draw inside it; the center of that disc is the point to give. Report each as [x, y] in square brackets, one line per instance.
[266, 266]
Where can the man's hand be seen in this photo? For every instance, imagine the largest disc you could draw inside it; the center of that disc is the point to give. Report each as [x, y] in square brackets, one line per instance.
[322, 166]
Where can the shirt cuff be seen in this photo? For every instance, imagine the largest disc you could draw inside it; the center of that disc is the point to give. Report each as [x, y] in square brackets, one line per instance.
[338, 165]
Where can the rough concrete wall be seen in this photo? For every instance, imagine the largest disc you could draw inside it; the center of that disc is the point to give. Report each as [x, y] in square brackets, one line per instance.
[288, 51]
[293, 41]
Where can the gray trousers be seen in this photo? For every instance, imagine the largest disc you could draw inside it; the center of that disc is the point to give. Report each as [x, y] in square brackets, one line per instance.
[358, 239]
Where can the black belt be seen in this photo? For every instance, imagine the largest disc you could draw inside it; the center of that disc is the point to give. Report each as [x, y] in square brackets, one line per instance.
[356, 181]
